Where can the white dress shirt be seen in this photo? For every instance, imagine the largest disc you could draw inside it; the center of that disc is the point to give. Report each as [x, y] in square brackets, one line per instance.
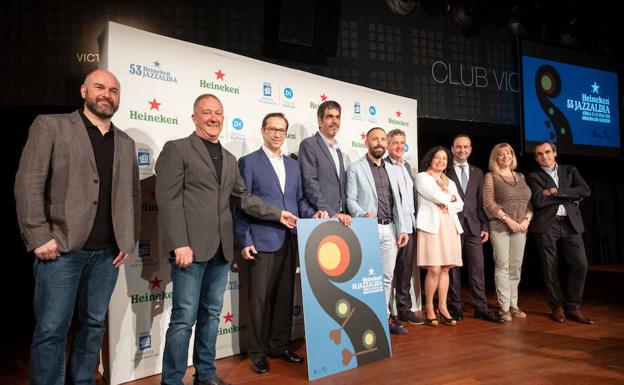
[277, 161]
[554, 174]
[333, 150]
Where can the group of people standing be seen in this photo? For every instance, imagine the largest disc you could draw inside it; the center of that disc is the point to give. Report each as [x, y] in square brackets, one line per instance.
[78, 203]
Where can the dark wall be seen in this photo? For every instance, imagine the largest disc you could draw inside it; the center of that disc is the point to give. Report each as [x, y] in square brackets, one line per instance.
[48, 47]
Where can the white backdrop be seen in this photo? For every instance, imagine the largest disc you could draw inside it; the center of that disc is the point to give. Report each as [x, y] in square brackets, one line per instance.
[160, 79]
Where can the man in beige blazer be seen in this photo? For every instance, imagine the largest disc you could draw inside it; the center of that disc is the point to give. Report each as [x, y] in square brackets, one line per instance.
[196, 178]
[78, 206]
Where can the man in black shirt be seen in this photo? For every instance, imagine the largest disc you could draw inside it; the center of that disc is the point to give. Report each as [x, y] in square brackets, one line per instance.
[81, 223]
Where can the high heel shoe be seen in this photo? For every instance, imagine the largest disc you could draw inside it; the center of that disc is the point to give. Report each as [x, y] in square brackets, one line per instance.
[431, 321]
[445, 320]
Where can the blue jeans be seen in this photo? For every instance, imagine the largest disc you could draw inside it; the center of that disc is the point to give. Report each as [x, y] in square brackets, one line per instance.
[197, 297]
[83, 280]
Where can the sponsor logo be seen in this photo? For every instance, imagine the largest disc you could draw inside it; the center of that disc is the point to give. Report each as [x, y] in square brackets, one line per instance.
[237, 125]
[407, 147]
[593, 108]
[372, 283]
[357, 111]
[288, 97]
[150, 297]
[372, 114]
[155, 283]
[397, 120]
[291, 135]
[357, 144]
[315, 105]
[232, 285]
[153, 117]
[153, 71]
[233, 328]
[143, 156]
[267, 94]
[144, 248]
[288, 93]
[145, 341]
[219, 84]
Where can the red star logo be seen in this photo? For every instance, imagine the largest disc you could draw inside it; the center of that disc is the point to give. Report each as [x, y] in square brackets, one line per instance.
[228, 317]
[155, 282]
[398, 114]
[154, 105]
[363, 135]
[323, 97]
[152, 194]
[220, 75]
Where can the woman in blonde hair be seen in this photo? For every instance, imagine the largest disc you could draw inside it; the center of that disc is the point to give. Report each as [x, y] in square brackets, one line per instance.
[506, 200]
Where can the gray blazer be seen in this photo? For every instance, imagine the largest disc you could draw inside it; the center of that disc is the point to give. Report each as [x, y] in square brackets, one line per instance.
[193, 208]
[322, 186]
[57, 185]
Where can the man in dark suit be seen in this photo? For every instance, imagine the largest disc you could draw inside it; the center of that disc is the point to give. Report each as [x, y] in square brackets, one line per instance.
[196, 178]
[469, 180]
[322, 165]
[270, 248]
[404, 280]
[78, 206]
[557, 223]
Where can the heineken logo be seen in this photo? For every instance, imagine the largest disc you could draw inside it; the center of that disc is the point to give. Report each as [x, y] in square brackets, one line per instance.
[323, 97]
[232, 329]
[291, 135]
[219, 86]
[398, 122]
[314, 105]
[357, 144]
[150, 297]
[155, 117]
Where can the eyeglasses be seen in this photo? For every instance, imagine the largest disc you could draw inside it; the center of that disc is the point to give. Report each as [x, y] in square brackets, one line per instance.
[274, 130]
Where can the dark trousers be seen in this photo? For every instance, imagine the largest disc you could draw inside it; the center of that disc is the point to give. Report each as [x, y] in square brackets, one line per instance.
[403, 276]
[271, 292]
[562, 235]
[472, 257]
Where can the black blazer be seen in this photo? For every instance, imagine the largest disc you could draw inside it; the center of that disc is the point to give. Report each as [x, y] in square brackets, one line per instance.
[572, 189]
[473, 218]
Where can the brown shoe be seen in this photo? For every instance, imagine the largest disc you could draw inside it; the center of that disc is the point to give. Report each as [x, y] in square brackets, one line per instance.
[557, 315]
[577, 316]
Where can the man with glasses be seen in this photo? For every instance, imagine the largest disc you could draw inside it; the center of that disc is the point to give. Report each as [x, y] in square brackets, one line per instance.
[271, 249]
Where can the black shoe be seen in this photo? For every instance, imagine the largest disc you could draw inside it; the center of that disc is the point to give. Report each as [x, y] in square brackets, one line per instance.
[488, 315]
[289, 356]
[213, 381]
[260, 365]
[411, 318]
[445, 320]
[456, 314]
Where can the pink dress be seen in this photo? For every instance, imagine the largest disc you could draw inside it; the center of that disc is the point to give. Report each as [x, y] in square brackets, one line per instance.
[441, 249]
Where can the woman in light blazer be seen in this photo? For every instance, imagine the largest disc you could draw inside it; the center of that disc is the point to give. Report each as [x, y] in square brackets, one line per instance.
[506, 200]
[439, 229]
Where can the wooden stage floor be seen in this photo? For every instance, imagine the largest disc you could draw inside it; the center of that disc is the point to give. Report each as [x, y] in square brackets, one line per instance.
[531, 351]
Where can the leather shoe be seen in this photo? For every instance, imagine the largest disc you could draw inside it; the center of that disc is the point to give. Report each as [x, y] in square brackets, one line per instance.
[260, 365]
[488, 315]
[289, 356]
[213, 381]
[411, 318]
[456, 314]
[557, 315]
[576, 315]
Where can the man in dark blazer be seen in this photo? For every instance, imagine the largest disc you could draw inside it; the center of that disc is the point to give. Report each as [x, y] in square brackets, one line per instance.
[78, 206]
[469, 181]
[270, 248]
[196, 179]
[322, 165]
[404, 280]
[557, 224]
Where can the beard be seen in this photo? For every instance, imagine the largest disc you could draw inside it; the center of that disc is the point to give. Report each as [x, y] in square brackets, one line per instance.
[377, 152]
[99, 110]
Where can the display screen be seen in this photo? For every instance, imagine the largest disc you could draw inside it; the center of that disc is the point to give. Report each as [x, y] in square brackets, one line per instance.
[570, 99]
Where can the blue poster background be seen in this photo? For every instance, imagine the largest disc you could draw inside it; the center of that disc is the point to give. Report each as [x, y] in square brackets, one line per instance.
[324, 356]
[575, 81]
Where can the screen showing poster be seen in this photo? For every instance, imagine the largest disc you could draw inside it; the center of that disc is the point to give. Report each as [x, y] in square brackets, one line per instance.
[343, 297]
[571, 100]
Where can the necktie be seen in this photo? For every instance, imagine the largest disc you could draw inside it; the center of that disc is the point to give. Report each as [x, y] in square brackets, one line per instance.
[464, 177]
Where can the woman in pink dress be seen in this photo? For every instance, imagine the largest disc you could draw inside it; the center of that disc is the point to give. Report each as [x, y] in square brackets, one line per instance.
[439, 229]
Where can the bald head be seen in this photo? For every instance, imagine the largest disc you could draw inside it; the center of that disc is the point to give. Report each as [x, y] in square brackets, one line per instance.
[100, 92]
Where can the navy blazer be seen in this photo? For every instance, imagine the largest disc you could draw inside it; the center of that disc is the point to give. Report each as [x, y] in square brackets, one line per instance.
[323, 187]
[572, 188]
[262, 181]
[473, 218]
